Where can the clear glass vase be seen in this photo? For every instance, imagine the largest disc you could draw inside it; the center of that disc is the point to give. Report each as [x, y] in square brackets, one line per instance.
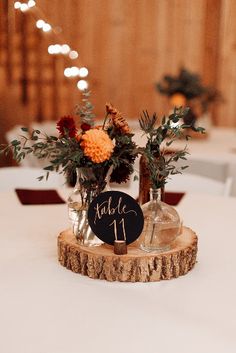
[89, 184]
[161, 224]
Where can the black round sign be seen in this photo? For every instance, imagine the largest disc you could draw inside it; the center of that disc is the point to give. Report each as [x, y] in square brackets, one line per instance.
[114, 215]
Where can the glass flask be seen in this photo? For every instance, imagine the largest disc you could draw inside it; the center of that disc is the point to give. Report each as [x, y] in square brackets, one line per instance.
[161, 224]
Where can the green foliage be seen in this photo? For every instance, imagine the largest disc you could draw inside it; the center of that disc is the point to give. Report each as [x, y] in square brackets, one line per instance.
[160, 163]
[85, 110]
[62, 153]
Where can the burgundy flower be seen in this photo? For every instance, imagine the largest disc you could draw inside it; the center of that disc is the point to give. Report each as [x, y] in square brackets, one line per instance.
[85, 127]
[66, 126]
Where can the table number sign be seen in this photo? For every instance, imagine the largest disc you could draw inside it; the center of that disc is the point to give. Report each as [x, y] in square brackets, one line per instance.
[115, 217]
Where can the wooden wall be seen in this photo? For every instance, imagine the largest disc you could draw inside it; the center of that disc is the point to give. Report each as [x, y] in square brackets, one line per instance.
[128, 45]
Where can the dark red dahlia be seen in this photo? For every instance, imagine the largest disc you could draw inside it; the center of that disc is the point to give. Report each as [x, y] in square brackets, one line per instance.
[121, 174]
[66, 126]
[85, 127]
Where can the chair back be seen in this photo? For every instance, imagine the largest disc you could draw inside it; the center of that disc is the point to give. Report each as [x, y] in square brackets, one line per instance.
[26, 178]
[198, 184]
[213, 169]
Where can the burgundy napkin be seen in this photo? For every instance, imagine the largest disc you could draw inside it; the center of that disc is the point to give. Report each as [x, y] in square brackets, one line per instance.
[38, 197]
[173, 198]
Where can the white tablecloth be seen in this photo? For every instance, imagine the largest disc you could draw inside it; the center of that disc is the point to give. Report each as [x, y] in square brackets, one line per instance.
[45, 308]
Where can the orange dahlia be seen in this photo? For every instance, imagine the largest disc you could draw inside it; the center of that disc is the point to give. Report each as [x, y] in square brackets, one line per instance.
[97, 145]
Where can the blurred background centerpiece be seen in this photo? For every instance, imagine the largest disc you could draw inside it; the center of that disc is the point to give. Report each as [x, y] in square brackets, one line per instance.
[187, 90]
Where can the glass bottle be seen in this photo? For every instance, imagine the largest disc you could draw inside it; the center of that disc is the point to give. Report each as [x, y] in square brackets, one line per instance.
[89, 184]
[161, 224]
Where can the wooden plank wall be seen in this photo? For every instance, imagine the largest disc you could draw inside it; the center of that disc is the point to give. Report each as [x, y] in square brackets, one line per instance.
[128, 45]
[226, 80]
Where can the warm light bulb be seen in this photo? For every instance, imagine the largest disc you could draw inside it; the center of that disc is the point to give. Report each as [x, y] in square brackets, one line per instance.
[31, 3]
[73, 54]
[83, 72]
[67, 72]
[17, 5]
[82, 85]
[51, 49]
[74, 71]
[47, 27]
[24, 7]
[57, 49]
[65, 49]
[40, 23]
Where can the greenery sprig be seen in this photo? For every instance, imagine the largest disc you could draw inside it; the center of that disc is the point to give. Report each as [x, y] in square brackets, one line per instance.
[85, 110]
[162, 162]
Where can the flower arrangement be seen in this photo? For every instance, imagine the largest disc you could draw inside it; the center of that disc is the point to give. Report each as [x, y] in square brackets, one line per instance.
[161, 161]
[99, 148]
[187, 89]
[188, 85]
[92, 151]
[82, 145]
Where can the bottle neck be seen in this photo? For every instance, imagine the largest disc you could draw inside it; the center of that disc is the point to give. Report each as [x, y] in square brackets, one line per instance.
[155, 194]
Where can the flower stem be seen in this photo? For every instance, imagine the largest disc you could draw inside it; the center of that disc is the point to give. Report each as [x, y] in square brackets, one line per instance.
[104, 121]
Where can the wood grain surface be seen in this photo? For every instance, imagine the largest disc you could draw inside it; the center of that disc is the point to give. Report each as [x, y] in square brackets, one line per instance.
[100, 262]
[127, 45]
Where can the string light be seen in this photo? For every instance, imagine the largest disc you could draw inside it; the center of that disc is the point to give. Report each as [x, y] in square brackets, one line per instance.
[31, 3]
[51, 49]
[55, 49]
[67, 72]
[73, 54]
[46, 27]
[82, 85]
[40, 23]
[24, 7]
[65, 49]
[71, 71]
[75, 71]
[17, 5]
[83, 72]
[59, 49]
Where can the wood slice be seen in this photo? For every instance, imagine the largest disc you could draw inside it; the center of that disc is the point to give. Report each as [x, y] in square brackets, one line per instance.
[100, 262]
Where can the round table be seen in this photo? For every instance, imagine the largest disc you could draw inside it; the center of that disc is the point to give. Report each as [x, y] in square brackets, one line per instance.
[46, 308]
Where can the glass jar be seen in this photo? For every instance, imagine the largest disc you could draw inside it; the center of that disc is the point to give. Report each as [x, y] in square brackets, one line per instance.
[89, 184]
[161, 224]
